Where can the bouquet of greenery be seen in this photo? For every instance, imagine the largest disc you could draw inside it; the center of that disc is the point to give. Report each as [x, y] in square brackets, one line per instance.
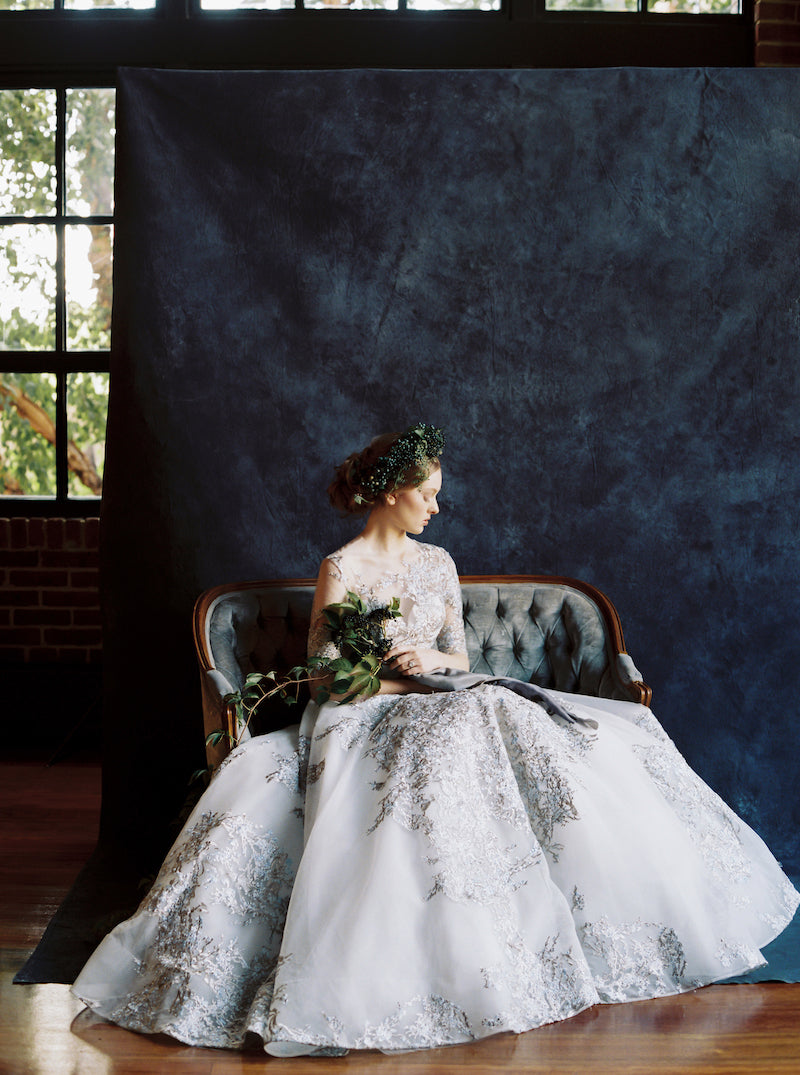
[362, 643]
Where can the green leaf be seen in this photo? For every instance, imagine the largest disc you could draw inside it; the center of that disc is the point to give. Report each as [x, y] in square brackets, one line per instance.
[215, 738]
[373, 688]
[340, 664]
[368, 665]
[360, 683]
[337, 608]
[323, 695]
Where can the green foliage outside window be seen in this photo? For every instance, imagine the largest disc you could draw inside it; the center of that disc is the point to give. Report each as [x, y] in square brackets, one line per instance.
[659, 7]
[28, 306]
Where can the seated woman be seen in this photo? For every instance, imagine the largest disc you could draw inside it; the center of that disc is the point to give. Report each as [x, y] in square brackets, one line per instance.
[420, 868]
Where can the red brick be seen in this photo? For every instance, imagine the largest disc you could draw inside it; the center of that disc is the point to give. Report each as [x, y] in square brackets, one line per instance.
[19, 598]
[770, 10]
[43, 655]
[87, 617]
[73, 655]
[769, 55]
[96, 655]
[73, 534]
[5, 617]
[37, 577]
[42, 617]
[85, 580]
[70, 636]
[5, 533]
[777, 32]
[36, 533]
[11, 654]
[69, 558]
[55, 533]
[19, 636]
[92, 534]
[70, 598]
[19, 558]
[19, 533]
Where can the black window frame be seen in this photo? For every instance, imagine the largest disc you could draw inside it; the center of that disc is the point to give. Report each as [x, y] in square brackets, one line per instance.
[93, 44]
[60, 360]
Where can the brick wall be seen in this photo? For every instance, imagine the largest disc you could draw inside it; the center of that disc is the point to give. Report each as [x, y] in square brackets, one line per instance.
[49, 600]
[778, 33]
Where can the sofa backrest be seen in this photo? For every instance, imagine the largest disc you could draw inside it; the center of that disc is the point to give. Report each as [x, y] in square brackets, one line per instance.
[556, 632]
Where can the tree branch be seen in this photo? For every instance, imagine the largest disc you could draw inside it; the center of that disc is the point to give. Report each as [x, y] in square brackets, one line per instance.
[41, 423]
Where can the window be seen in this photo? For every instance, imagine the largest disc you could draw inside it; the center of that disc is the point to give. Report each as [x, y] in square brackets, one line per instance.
[56, 180]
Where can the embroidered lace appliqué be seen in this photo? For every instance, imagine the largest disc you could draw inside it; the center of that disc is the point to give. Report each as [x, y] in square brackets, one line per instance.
[428, 589]
[638, 959]
[449, 745]
[201, 987]
[712, 825]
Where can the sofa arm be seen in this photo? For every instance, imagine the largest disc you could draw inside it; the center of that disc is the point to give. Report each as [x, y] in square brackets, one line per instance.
[631, 677]
[216, 714]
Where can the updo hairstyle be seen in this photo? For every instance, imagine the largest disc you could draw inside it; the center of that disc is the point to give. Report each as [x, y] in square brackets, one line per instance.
[353, 490]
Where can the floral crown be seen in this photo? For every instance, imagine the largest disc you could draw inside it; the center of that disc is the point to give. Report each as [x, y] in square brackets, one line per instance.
[411, 449]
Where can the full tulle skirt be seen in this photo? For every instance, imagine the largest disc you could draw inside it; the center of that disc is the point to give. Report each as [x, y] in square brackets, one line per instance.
[420, 870]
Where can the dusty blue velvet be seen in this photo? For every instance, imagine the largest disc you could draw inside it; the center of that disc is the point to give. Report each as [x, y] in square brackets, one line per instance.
[589, 278]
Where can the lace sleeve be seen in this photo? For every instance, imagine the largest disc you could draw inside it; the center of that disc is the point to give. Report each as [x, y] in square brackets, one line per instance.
[319, 640]
[451, 638]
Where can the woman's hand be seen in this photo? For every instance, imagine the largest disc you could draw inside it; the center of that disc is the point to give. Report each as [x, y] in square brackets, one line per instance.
[411, 660]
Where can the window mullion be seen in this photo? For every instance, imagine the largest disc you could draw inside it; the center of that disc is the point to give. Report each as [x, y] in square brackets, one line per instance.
[62, 472]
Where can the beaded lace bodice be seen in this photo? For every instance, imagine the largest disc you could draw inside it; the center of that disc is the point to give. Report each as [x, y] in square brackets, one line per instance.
[427, 586]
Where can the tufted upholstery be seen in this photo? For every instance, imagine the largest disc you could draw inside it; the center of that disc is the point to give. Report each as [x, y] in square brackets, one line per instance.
[556, 632]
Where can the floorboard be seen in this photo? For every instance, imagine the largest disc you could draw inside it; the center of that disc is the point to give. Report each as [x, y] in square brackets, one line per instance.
[48, 822]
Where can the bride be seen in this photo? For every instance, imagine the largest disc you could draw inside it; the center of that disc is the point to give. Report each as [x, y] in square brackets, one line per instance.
[419, 867]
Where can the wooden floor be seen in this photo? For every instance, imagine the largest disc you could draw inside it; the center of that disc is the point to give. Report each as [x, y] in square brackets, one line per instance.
[48, 819]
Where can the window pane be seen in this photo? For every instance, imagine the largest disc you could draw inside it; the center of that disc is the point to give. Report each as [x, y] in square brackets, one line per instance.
[695, 7]
[454, 5]
[87, 407]
[24, 5]
[88, 277]
[230, 5]
[27, 434]
[350, 5]
[90, 152]
[592, 5]
[27, 297]
[85, 5]
[27, 151]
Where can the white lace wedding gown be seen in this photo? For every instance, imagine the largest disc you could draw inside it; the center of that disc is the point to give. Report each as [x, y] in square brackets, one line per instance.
[420, 870]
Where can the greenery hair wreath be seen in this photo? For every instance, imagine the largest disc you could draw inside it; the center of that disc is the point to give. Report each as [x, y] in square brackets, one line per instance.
[409, 453]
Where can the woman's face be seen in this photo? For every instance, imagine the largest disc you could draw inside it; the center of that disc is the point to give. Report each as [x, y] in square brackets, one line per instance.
[413, 508]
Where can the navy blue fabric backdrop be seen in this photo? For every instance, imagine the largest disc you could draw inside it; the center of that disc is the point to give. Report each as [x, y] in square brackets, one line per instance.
[589, 278]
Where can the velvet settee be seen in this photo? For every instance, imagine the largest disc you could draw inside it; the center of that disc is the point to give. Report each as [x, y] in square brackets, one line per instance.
[555, 632]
